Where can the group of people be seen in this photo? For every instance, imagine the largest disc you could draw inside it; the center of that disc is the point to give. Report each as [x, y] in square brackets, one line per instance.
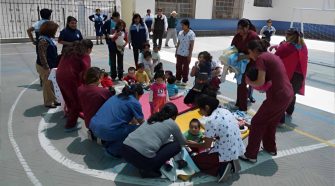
[118, 120]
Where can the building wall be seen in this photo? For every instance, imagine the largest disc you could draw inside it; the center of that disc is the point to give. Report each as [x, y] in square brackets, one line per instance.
[283, 10]
[203, 9]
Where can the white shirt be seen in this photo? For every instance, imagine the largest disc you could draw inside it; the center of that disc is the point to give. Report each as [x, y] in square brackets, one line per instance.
[184, 42]
[223, 126]
[120, 41]
[268, 29]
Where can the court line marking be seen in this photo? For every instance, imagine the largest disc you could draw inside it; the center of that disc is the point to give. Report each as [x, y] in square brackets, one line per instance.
[14, 144]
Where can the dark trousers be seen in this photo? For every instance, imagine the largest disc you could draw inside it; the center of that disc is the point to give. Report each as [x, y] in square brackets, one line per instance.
[135, 158]
[242, 95]
[296, 82]
[208, 163]
[250, 92]
[136, 52]
[264, 124]
[191, 96]
[159, 36]
[182, 68]
[113, 53]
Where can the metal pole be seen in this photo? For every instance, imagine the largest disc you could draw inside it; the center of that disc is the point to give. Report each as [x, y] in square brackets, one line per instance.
[64, 17]
[38, 12]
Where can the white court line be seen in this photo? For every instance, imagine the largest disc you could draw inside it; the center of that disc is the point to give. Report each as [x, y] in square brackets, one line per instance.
[314, 97]
[15, 146]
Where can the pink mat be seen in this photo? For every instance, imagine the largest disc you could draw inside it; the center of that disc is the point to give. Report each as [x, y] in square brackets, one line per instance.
[179, 102]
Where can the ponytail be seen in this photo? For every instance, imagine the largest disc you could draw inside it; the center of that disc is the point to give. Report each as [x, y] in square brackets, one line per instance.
[259, 45]
[131, 90]
[168, 111]
[78, 48]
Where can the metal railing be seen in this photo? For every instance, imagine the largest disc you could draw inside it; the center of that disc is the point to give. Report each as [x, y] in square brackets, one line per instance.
[18, 15]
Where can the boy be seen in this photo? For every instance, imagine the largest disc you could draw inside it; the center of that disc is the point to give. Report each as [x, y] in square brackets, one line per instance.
[141, 76]
[130, 78]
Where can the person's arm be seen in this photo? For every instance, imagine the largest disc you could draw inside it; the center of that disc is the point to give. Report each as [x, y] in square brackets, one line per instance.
[30, 35]
[177, 47]
[146, 33]
[42, 53]
[190, 49]
[125, 38]
[105, 17]
[262, 31]
[91, 17]
[165, 24]
[195, 69]
[177, 134]
[206, 144]
[147, 80]
[260, 79]
[137, 112]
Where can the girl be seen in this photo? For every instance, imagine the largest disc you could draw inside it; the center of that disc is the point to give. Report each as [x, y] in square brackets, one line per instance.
[158, 94]
[148, 66]
[222, 129]
[246, 32]
[69, 34]
[70, 75]
[278, 97]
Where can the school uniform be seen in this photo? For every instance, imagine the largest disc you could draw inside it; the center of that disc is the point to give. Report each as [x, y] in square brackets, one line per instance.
[69, 35]
[98, 20]
[148, 19]
[116, 65]
[278, 98]
[138, 36]
[241, 45]
[111, 122]
[69, 77]
[91, 98]
[159, 25]
[267, 32]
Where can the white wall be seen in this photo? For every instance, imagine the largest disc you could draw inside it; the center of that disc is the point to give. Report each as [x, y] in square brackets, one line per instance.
[142, 6]
[282, 10]
[203, 9]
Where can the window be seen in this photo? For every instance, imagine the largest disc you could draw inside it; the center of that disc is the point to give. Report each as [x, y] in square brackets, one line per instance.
[184, 8]
[263, 3]
[227, 9]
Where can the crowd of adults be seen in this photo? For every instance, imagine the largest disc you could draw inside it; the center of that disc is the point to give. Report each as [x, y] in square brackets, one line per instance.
[118, 119]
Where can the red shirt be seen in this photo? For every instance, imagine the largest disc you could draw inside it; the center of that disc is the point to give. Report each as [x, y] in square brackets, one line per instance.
[242, 45]
[91, 98]
[130, 80]
[274, 68]
[106, 82]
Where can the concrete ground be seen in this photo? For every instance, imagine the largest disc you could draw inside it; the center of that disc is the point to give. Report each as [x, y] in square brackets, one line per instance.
[34, 150]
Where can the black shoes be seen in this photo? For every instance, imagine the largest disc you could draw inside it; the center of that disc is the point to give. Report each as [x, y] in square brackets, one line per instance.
[244, 158]
[224, 172]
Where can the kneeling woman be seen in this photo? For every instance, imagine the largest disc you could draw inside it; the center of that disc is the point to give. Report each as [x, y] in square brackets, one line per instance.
[221, 128]
[148, 147]
[112, 121]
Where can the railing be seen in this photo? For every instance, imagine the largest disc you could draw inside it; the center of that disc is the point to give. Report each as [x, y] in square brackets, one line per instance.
[18, 15]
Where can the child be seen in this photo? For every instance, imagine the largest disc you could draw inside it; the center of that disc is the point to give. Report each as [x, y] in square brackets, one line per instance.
[158, 94]
[148, 66]
[159, 68]
[172, 88]
[106, 82]
[130, 78]
[216, 73]
[156, 58]
[194, 134]
[141, 76]
[146, 47]
[202, 70]
[121, 40]
[168, 73]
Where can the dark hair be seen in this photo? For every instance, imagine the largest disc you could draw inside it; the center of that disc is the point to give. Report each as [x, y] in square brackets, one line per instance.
[49, 28]
[211, 102]
[98, 9]
[78, 48]
[146, 45]
[45, 13]
[185, 22]
[171, 79]
[169, 72]
[158, 67]
[115, 14]
[269, 21]
[194, 120]
[137, 16]
[118, 25]
[259, 45]
[159, 74]
[293, 35]
[168, 111]
[140, 65]
[69, 19]
[92, 75]
[245, 23]
[207, 56]
[147, 54]
[131, 69]
[148, 10]
[131, 90]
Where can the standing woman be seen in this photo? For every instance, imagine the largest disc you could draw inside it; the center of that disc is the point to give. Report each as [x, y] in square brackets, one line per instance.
[70, 75]
[246, 32]
[46, 60]
[149, 147]
[98, 20]
[278, 97]
[69, 34]
[112, 121]
[294, 55]
[138, 36]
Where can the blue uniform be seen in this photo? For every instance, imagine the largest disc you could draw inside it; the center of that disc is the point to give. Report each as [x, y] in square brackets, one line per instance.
[111, 122]
[70, 35]
[98, 20]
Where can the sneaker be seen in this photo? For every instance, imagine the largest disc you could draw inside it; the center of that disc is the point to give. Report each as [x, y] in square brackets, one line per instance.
[244, 158]
[271, 153]
[236, 166]
[224, 172]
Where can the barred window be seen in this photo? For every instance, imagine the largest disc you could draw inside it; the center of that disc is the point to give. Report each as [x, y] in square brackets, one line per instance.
[227, 9]
[263, 3]
[184, 8]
